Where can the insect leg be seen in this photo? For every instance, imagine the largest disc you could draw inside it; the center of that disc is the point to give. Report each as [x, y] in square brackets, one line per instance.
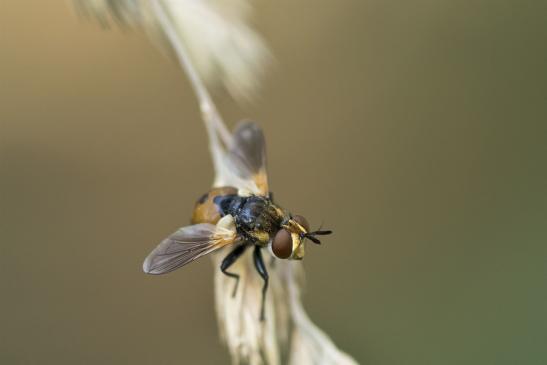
[261, 268]
[229, 260]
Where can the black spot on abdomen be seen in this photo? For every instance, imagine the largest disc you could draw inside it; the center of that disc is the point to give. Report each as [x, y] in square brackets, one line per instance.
[203, 198]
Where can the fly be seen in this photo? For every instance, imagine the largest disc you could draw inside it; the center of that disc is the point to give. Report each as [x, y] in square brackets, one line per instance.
[240, 216]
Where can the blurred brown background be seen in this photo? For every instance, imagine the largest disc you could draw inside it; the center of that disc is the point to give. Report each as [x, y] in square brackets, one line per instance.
[416, 130]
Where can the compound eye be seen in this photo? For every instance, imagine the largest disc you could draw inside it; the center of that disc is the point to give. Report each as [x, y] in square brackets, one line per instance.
[282, 244]
[302, 221]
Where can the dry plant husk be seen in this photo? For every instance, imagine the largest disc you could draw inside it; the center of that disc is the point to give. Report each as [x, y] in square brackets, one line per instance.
[222, 45]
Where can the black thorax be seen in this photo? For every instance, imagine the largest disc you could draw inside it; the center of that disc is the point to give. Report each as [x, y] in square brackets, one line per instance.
[251, 214]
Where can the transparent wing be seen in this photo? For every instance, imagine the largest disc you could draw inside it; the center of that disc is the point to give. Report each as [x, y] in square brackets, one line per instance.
[246, 159]
[186, 245]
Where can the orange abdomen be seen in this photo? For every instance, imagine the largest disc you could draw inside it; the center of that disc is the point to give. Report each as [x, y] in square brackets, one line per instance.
[205, 210]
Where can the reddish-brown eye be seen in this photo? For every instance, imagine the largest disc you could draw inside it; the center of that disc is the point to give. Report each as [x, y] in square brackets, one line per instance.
[302, 221]
[282, 244]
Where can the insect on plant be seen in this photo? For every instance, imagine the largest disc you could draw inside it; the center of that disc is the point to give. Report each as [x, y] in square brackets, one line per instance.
[214, 43]
[241, 216]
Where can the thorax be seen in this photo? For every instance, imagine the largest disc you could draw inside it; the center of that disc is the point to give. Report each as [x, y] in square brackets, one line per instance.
[257, 218]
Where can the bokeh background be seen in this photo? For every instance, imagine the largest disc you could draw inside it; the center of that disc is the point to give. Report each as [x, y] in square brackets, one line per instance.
[415, 130]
